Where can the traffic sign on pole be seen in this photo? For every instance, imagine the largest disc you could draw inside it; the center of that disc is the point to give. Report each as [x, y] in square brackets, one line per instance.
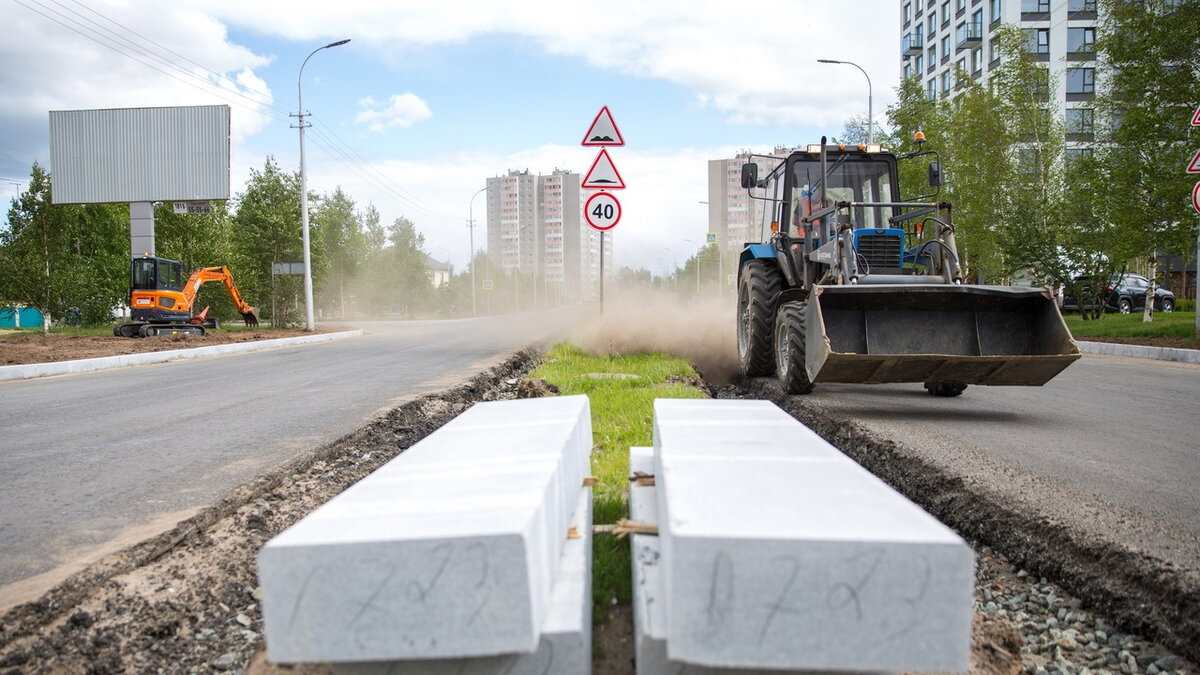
[602, 211]
[1196, 118]
[1194, 165]
[1196, 198]
[603, 175]
[603, 131]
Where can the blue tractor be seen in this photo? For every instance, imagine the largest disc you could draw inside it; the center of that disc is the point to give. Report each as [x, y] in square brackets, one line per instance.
[856, 285]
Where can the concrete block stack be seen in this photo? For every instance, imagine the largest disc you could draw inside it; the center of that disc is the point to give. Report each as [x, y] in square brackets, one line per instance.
[777, 552]
[454, 556]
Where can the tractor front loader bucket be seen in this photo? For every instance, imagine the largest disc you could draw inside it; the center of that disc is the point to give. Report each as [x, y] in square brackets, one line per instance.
[251, 317]
[991, 335]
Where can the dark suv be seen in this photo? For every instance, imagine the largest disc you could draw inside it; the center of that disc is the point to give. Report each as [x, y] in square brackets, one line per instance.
[1127, 294]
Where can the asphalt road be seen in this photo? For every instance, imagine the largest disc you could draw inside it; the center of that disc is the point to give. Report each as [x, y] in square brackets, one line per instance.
[92, 462]
[1119, 433]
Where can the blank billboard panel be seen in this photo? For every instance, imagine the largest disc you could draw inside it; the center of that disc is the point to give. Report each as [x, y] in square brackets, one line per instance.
[139, 154]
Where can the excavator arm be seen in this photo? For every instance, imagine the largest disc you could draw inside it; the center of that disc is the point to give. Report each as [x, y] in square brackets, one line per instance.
[222, 274]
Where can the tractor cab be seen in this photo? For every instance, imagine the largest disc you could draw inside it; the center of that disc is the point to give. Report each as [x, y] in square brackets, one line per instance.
[156, 290]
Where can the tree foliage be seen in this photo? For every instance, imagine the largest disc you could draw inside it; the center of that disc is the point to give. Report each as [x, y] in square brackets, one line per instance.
[68, 261]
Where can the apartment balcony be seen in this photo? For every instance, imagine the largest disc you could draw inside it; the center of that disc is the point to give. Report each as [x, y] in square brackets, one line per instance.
[969, 35]
[912, 45]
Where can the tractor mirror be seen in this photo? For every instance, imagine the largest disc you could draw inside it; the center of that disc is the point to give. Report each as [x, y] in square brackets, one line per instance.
[749, 175]
[935, 174]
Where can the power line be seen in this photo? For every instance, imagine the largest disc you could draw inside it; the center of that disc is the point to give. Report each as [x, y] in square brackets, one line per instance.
[223, 87]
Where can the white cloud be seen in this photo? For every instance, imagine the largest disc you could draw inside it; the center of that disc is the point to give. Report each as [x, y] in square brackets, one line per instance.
[752, 64]
[401, 110]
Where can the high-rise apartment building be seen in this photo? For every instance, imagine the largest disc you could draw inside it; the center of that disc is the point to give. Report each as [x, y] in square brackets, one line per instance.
[535, 226]
[938, 36]
[732, 215]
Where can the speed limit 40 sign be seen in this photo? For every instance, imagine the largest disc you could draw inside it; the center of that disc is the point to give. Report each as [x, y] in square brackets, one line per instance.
[602, 211]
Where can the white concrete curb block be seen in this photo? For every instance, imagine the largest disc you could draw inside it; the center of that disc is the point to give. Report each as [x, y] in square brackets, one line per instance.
[449, 550]
[566, 643]
[32, 370]
[1140, 351]
[779, 552]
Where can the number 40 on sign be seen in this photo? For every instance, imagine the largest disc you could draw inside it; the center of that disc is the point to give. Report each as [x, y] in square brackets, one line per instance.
[602, 211]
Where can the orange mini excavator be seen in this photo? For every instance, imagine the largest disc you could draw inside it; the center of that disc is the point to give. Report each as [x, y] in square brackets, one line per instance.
[160, 301]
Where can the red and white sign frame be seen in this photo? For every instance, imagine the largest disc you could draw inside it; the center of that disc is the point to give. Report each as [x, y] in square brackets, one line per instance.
[1193, 166]
[1196, 198]
[589, 181]
[598, 134]
[1196, 118]
[602, 222]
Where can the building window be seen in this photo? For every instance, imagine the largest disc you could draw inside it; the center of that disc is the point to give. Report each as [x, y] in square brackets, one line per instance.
[1081, 5]
[995, 14]
[919, 65]
[960, 5]
[1035, 6]
[977, 19]
[1081, 40]
[907, 13]
[994, 53]
[946, 12]
[932, 22]
[932, 56]
[1076, 154]
[1081, 80]
[907, 71]
[1080, 121]
[945, 48]
[931, 90]
[976, 59]
[945, 82]
[1037, 40]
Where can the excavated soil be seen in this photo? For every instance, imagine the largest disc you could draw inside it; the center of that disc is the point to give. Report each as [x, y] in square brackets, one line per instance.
[24, 348]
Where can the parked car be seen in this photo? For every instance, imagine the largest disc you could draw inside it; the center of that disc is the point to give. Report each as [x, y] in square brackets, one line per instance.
[1126, 293]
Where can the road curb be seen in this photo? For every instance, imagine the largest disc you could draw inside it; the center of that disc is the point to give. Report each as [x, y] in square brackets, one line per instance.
[1140, 351]
[34, 370]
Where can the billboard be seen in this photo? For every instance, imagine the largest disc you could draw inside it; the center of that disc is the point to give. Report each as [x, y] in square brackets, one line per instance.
[139, 154]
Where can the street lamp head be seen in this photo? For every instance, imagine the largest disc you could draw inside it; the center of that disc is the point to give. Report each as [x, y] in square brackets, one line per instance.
[339, 43]
[828, 61]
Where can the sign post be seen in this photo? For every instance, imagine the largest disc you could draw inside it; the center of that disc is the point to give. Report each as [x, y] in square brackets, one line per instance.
[602, 210]
[1196, 205]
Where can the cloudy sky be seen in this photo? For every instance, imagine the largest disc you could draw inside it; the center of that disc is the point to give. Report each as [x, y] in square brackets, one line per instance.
[431, 98]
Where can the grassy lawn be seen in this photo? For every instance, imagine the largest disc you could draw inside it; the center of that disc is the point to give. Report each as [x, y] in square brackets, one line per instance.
[1173, 325]
[622, 417]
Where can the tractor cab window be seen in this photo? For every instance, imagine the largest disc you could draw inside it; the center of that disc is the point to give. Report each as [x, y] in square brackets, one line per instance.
[851, 179]
[155, 274]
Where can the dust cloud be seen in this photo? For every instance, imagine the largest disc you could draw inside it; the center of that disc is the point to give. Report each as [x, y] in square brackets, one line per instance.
[700, 330]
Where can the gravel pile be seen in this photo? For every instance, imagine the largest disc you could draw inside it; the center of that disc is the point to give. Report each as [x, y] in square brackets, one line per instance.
[1057, 634]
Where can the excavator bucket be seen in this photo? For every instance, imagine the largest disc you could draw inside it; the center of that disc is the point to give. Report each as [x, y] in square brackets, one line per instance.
[251, 316]
[994, 335]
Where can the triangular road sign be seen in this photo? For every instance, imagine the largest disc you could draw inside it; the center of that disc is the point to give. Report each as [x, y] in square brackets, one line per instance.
[1196, 118]
[1194, 167]
[603, 174]
[603, 131]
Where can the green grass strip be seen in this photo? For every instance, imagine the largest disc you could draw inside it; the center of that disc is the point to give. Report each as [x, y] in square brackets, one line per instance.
[621, 390]
[1164, 325]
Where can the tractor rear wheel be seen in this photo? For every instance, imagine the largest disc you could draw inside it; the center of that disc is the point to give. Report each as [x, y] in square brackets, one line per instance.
[945, 388]
[790, 350]
[756, 297]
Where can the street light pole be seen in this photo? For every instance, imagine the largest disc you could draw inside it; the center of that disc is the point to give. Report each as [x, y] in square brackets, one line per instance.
[870, 112]
[309, 324]
[471, 227]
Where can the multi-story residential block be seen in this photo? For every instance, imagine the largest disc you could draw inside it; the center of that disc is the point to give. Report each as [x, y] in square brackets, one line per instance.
[535, 226]
[941, 38]
[732, 215]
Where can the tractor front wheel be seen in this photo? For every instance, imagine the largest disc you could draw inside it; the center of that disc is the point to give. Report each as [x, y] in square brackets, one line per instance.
[757, 291]
[945, 388]
[790, 349]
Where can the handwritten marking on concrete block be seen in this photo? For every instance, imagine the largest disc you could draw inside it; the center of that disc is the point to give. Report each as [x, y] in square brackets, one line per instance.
[800, 560]
[565, 646]
[449, 550]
